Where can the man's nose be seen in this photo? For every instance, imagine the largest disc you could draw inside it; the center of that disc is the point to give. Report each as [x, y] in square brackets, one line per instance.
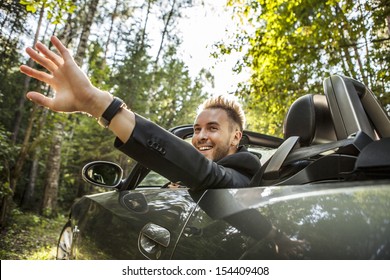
[203, 134]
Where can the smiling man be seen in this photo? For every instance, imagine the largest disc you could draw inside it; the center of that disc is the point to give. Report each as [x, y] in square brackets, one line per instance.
[218, 128]
[213, 161]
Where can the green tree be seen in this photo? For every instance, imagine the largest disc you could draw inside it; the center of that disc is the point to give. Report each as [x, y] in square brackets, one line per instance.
[295, 44]
[115, 49]
[7, 157]
[176, 96]
[53, 165]
[148, 85]
[55, 8]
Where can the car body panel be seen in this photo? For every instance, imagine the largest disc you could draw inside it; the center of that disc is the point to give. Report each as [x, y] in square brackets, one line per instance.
[351, 221]
[347, 222]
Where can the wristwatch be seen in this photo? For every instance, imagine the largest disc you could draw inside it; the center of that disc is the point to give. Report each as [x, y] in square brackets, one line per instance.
[111, 111]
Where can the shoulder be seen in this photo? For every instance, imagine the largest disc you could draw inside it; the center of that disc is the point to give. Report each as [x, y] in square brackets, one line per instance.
[242, 161]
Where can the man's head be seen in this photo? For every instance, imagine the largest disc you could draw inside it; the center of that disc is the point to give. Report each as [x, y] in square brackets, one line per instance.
[218, 128]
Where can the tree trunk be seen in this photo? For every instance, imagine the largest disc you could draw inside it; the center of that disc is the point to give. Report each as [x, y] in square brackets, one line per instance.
[28, 194]
[142, 45]
[113, 16]
[19, 110]
[82, 47]
[5, 200]
[165, 31]
[49, 203]
[17, 168]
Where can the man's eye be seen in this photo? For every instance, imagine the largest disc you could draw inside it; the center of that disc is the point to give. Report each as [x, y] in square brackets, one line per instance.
[213, 128]
[196, 130]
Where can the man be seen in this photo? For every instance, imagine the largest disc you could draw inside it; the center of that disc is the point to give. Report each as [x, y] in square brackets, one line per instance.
[213, 161]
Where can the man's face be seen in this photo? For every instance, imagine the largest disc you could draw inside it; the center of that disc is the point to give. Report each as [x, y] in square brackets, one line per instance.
[214, 134]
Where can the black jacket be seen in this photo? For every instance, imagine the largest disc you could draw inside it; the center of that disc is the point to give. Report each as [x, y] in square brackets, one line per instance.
[177, 160]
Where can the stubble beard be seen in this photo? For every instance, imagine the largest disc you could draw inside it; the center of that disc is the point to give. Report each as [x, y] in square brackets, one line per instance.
[221, 152]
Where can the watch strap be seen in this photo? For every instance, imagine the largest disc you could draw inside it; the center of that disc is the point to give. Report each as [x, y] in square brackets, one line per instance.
[111, 111]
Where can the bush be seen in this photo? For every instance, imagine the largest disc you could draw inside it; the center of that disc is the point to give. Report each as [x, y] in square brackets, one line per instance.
[30, 237]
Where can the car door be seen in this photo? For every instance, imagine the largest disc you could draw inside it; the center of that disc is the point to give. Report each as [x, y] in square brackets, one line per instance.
[144, 223]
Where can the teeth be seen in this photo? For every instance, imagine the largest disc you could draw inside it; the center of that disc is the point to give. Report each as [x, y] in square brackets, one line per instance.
[204, 148]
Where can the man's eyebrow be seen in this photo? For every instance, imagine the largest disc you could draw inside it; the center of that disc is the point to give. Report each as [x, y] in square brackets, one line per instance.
[209, 123]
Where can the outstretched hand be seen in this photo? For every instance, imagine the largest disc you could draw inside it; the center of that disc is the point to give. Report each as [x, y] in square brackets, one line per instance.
[74, 91]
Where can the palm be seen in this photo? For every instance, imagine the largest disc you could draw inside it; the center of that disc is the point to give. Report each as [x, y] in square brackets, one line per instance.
[68, 82]
[71, 85]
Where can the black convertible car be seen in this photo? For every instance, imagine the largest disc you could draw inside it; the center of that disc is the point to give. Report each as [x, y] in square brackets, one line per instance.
[324, 190]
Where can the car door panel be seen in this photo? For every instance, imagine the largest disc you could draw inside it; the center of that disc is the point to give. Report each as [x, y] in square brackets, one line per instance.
[144, 223]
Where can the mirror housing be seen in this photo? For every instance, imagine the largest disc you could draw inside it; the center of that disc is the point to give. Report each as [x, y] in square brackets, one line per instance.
[103, 174]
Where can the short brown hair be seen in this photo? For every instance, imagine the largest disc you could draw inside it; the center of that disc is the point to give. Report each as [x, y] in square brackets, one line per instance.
[231, 107]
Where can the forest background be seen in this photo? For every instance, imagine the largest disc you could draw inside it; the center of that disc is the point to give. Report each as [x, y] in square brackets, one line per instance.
[287, 46]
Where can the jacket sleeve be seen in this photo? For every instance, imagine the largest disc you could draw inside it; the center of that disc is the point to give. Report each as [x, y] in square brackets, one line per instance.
[177, 160]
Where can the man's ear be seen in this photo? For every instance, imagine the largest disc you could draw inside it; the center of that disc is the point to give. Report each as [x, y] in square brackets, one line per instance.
[237, 137]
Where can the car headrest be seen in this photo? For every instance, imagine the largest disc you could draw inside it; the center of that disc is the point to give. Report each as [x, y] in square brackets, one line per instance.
[309, 118]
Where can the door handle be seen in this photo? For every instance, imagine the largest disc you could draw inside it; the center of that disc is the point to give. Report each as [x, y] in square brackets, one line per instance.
[153, 239]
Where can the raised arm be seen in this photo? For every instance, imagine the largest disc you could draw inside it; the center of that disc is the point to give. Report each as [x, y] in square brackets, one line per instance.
[139, 138]
[73, 90]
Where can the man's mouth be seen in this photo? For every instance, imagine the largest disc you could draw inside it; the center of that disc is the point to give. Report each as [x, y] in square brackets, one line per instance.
[205, 148]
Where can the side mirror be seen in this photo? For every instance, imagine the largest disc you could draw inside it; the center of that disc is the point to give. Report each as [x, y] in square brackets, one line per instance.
[103, 174]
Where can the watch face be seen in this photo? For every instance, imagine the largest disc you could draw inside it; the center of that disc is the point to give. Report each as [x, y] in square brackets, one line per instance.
[103, 122]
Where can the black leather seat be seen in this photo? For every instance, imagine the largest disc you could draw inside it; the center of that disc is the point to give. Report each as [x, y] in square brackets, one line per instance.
[309, 132]
[308, 122]
[309, 118]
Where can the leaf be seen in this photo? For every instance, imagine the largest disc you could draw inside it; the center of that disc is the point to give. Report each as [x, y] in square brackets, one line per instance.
[31, 8]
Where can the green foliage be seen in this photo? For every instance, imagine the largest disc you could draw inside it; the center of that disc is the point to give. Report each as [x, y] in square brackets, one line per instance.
[99, 72]
[295, 44]
[118, 61]
[174, 97]
[11, 81]
[7, 157]
[166, 94]
[56, 9]
[30, 237]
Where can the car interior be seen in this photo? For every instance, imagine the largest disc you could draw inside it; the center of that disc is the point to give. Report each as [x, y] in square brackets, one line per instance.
[325, 136]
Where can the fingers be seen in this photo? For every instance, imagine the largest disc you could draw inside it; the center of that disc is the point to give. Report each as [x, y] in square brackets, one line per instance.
[56, 59]
[48, 58]
[40, 99]
[61, 48]
[39, 75]
[45, 62]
